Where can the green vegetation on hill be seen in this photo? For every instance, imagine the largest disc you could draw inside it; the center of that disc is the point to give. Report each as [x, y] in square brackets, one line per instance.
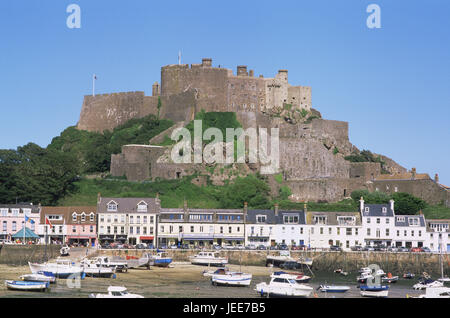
[94, 150]
[366, 156]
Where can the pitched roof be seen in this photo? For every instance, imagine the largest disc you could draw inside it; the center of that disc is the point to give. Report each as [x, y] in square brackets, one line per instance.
[377, 210]
[127, 205]
[405, 222]
[271, 218]
[332, 217]
[66, 212]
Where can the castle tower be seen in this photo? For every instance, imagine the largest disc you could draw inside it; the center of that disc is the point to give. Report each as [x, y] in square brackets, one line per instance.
[242, 70]
[207, 62]
[156, 89]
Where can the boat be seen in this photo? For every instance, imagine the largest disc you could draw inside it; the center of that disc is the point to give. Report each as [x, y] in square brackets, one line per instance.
[374, 291]
[444, 280]
[365, 270]
[26, 286]
[298, 277]
[93, 268]
[116, 264]
[362, 279]
[436, 292]
[305, 261]
[283, 287]
[210, 273]
[64, 251]
[208, 259]
[426, 283]
[61, 268]
[409, 275]
[39, 277]
[341, 272]
[276, 260]
[333, 288]
[161, 259]
[116, 292]
[389, 279]
[223, 276]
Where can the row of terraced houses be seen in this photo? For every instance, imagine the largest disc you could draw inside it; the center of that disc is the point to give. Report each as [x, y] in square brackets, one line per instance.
[142, 220]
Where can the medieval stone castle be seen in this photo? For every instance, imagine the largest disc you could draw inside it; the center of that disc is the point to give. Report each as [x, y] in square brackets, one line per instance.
[312, 149]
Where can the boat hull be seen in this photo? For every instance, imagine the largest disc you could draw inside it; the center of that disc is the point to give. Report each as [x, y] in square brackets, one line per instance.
[58, 271]
[38, 278]
[266, 290]
[162, 262]
[334, 289]
[27, 286]
[231, 280]
[376, 294]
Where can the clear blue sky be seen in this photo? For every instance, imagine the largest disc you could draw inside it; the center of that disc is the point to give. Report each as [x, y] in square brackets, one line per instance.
[391, 84]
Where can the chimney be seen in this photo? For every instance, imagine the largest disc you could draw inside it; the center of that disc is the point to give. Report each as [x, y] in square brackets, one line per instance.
[99, 197]
[436, 178]
[361, 205]
[392, 204]
[206, 62]
[413, 173]
[157, 200]
[276, 209]
[242, 70]
[420, 212]
[245, 210]
[251, 73]
[185, 206]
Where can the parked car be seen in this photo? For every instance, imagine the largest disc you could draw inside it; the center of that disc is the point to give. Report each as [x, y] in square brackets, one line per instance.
[283, 246]
[261, 247]
[356, 248]
[426, 250]
[403, 249]
[335, 248]
[273, 247]
[141, 246]
[368, 248]
[228, 246]
[250, 247]
[184, 246]
[416, 250]
[392, 249]
[290, 265]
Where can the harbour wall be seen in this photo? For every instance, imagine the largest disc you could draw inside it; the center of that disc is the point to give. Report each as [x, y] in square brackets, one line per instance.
[19, 255]
[397, 263]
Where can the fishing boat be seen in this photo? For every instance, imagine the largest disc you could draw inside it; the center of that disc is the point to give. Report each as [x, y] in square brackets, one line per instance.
[426, 283]
[60, 269]
[26, 286]
[225, 277]
[298, 277]
[117, 264]
[374, 291]
[283, 287]
[116, 292]
[94, 269]
[208, 259]
[436, 292]
[362, 279]
[210, 273]
[39, 277]
[161, 259]
[389, 279]
[333, 288]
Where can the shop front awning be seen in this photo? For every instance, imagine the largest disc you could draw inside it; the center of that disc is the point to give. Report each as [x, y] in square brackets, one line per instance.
[146, 238]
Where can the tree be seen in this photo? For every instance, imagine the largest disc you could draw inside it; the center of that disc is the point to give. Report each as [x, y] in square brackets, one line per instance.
[406, 203]
[249, 189]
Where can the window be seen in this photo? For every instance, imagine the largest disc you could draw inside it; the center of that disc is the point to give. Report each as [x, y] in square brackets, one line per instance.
[368, 231]
[330, 230]
[91, 229]
[229, 230]
[131, 219]
[122, 230]
[387, 220]
[142, 207]
[321, 230]
[346, 220]
[151, 230]
[162, 228]
[221, 229]
[378, 221]
[368, 220]
[115, 230]
[74, 229]
[320, 219]
[145, 219]
[14, 226]
[180, 229]
[138, 230]
[420, 233]
[91, 217]
[348, 231]
[4, 212]
[413, 221]
[384, 210]
[15, 212]
[138, 219]
[112, 206]
[301, 230]
[387, 232]
[290, 219]
[5, 224]
[144, 230]
[131, 230]
[83, 217]
[74, 216]
[261, 218]
[192, 229]
[412, 233]
[108, 230]
[398, 233]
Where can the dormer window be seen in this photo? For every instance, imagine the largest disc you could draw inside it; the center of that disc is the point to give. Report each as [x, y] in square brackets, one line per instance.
[112, 206]
[83, 217]
[400, 219]
[366, 209]
[74, 216]
[261, 218]
[384, 210]
[142, 207]
[290, 219]
[319, 219]
[413, 221]
[91, 217]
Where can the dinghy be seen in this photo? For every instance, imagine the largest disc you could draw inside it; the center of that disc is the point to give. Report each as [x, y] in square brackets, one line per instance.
[26, 286]
[39, 277]
[298, 277]
[225, 277]
[333, 288]
[374, 291]
[389, 279]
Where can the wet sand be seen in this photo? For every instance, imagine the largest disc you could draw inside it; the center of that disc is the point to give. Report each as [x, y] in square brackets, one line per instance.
[185, 281]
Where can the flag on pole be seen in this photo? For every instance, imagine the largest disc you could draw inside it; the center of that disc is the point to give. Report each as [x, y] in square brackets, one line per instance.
[47, 222]
[28, 219]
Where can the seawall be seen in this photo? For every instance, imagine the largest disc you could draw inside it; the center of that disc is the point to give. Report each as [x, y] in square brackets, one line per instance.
[19, 255]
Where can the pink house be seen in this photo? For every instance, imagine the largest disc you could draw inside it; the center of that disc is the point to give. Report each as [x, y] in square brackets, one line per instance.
[12, 218]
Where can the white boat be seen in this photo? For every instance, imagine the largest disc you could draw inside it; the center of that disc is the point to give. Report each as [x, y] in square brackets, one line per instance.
[26, 286]
[365, 270]
[305, 261]
[223, 276]
[93, 268]
[341, 272]
[374, 291]
[333, 288]
[61, 268]
[368, 275]
[389, 279]
[426, 283]
[210, 273]
[445, 280]
[39, 277]
[116, 292]
[276, 260]
[283, 287]
[115, 264]
[208, 258]
[436, 292]
[298, 277]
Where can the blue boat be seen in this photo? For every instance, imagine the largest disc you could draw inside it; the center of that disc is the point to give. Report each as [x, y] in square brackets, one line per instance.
[161, 259]
[26, 286]
[374, 291]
